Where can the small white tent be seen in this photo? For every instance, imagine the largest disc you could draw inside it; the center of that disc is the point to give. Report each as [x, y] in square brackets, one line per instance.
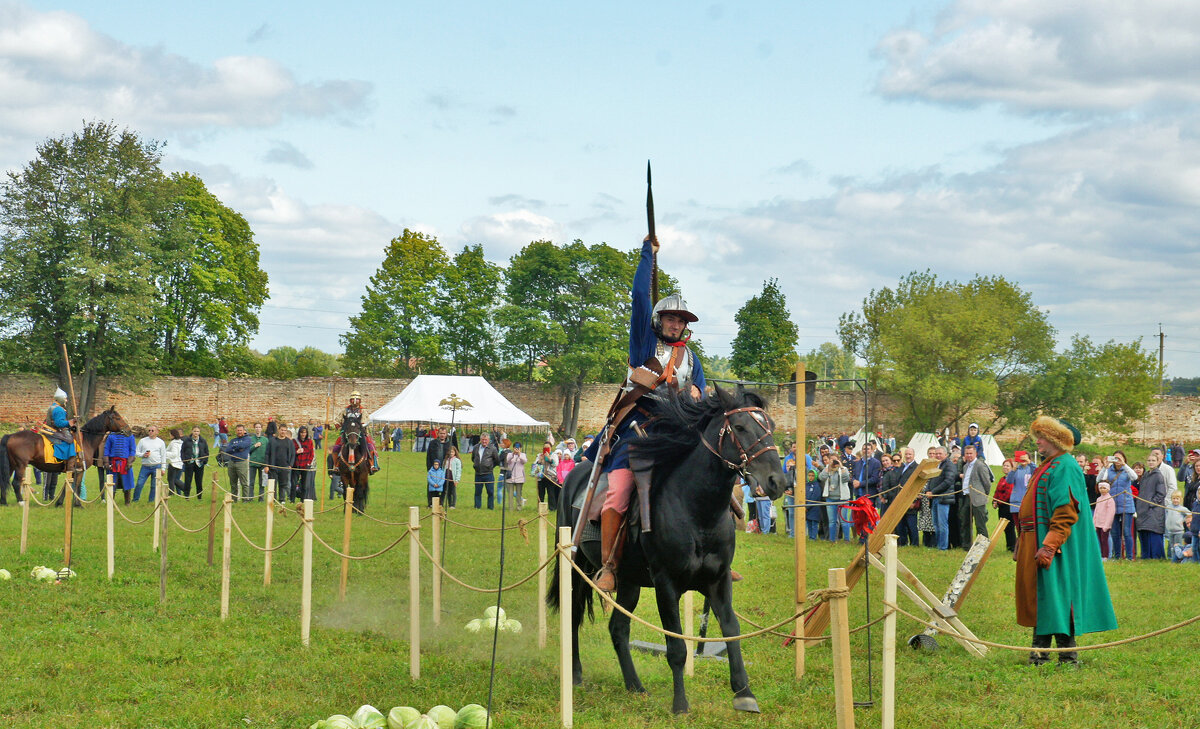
[921, 443]
[861, 438]
[991, 452]
[427, 398]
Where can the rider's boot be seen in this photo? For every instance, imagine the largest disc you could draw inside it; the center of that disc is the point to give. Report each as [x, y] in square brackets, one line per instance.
[610, 526]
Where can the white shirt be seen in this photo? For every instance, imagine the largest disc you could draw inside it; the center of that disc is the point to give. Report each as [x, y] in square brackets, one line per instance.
[174, 458]
[157, 449]
[966, 489]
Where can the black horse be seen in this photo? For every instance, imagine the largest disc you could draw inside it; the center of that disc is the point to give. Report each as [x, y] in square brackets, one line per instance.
[353, 462]
[698, 449]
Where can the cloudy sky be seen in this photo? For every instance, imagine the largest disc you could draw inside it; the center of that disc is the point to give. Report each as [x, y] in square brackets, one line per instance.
[836, 146]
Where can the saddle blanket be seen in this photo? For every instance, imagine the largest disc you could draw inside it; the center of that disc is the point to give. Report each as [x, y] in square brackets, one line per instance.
[55, 451]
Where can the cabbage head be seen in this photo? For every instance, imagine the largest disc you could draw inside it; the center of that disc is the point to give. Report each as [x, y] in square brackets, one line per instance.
[472, 716]
[368, 717]
[339, 721]
[474, 626]
[5, 575]
[402, 717]
[513, 626]
[494, 612]
[443, 715]
[423, 722]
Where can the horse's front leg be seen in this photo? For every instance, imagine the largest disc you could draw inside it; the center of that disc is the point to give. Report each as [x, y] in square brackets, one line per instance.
[668, 613]
[628, 594]
[720, 598]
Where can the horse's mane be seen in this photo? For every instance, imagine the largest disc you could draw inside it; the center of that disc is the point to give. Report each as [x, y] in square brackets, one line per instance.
[679, 422]
[96, 424]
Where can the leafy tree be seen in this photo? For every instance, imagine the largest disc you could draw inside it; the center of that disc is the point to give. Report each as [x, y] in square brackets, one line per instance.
[468, 332]
[716, 366]
[209, 280]
[287, 363]
[1106, 386]
[78, 253]
[396, 333]
[947, 347]
[1183, 386]
[764, 348]
[832, 362]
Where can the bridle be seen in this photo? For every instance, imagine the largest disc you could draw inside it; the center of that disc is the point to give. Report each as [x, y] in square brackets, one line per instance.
[762, 419]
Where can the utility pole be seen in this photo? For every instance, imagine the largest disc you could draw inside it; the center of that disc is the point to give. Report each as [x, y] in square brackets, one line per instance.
[1161, 372]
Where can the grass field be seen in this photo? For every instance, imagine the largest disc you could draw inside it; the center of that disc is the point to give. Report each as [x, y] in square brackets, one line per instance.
[92, 653]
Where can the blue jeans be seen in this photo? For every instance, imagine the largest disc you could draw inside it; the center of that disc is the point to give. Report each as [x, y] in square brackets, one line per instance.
[941, 524]
[814, 527]
[485, 480]
[763, 508]
[1121, 535]
[836, 522]
[789, 514]
[143, 473]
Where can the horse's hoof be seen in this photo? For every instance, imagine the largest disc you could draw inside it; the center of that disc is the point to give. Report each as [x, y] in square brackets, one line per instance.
[677, 710]
[636, 688]
[746, 703]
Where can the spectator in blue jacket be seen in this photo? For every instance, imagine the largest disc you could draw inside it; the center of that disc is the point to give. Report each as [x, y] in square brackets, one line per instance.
[119, 452]
[436, 481]
[864, 473]
[1120, 479]
[973, 439]
[237, 458]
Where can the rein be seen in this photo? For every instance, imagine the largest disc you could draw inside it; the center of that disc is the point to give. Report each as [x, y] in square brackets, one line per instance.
[759, 416]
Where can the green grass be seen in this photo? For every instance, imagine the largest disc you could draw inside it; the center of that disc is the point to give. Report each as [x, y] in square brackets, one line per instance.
[95, 653]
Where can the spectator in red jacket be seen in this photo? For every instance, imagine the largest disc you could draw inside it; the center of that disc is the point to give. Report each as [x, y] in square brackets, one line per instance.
[306, 484]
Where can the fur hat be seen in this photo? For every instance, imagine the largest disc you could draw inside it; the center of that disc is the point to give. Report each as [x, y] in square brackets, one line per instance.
[1057, 431]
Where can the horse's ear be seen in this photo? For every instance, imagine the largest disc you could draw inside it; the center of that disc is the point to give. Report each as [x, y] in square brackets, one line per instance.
[723, 397]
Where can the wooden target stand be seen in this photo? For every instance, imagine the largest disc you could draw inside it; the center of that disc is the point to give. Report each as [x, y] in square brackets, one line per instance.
[941, 613]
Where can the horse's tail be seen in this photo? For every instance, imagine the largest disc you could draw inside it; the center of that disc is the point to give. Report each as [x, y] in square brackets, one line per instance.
[5, 466]
[583, 596]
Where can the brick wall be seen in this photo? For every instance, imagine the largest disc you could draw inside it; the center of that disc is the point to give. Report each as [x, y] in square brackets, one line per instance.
[171, 400]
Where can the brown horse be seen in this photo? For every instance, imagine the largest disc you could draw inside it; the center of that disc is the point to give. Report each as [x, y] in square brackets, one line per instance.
[354, 463]
[25, 447]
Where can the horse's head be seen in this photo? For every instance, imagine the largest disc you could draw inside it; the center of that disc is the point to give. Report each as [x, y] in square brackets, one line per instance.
[745, 441]
[114, 422]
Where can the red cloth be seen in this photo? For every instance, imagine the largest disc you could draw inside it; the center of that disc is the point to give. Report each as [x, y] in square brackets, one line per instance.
[118, 465]
[865, 515]
[304, 453]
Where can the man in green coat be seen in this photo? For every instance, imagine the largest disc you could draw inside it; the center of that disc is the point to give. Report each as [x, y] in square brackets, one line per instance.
[258, 459]
[1061, 590]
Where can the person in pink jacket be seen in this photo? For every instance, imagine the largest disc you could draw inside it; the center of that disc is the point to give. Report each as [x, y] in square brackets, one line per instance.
[1103, 515]
[514, 463]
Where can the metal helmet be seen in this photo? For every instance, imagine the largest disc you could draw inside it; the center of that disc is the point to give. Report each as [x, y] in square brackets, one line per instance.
[60, 396]
[673, 304]
[355, 395]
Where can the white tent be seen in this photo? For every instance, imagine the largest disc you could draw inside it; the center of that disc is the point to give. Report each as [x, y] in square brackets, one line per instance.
[921, 443]
[991, 452]
[426, 399]
[861, 438]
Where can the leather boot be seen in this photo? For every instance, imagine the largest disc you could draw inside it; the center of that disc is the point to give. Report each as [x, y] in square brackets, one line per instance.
[1068, 657]
[126, 492]
[1037, 657]
[610, 527]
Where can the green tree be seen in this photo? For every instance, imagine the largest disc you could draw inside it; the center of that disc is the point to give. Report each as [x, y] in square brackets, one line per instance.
[468, 330]
[396, 333]
[78, 254]
[1108, 386]
[947, 347]
[764, 349]
[832, 362]
[209, 280]
[288, 363]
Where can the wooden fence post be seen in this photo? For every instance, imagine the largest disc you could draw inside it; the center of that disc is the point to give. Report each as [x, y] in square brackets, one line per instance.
[890, 558]
[306, 579]
[162, 553]
[689, 627]
[414, 594]
[270, 530]
[68, 518]
[439, 512]
[27, 491]
[158, 499]
[539, 598]
[839, 640]
[108, 509]
[226, 557]
[348, 508]
[565, 635]
[212, 516]
[800, 516]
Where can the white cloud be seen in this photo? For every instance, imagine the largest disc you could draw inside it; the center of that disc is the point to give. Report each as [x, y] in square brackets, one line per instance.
[55, 70]
[503, 234]
[286, 153]
[1050, 55]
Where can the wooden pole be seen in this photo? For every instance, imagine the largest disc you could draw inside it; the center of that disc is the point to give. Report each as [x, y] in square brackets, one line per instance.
[800, 515]
[349, 511]
[439, 512]
[158, 499]
[270, 531]
[306, 580]
[68, 517]
[414, 594]
[565, 577]
[162, 553]
[212, 516]
[27, 491]
[543, 511]
[689, 625]
[226, 557]
[840, 641]
[108, 508]
[890, 557]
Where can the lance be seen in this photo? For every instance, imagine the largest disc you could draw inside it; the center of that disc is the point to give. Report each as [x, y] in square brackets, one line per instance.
[653, 237]
[69, 482]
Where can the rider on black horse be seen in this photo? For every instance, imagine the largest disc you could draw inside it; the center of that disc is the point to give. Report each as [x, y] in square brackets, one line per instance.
[353, 415]
[660, 365]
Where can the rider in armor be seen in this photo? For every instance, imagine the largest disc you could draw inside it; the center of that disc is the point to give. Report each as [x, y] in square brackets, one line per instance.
[56, 418]
[354, 414]
[660, 365]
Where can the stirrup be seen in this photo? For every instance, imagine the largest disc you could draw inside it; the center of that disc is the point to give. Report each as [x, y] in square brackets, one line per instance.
[606, 579]
[735, 576]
